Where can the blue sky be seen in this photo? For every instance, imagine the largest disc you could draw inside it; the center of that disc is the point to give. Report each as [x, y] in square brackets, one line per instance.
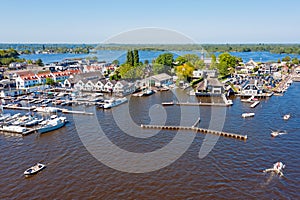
[91, 21]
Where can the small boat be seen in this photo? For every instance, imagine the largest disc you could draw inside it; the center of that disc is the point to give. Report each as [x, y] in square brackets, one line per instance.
[286, 117]
[244, 115]
[34, 169]
[276, 133]
[277, 168]
[114, 102]
[148, 92]
[33, 122]
[52, 124]
[4, 116]
[46, 109]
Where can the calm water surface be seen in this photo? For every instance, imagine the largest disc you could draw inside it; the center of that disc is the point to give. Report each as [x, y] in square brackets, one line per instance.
[232, 170]
[109, 56]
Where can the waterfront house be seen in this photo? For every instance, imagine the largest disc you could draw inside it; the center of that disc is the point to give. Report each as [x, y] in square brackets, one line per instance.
[79, 80]
[210, 86]
[109, 86]
[123, 88]
[158, 80]
[26, 81]
[250, 88]
[42, 77]
[204, 73]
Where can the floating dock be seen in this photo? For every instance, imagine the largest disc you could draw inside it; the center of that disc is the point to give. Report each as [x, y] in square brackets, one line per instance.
[193, 128]
[202, 104]
[76, 112]
[27, 132]
[253, 105]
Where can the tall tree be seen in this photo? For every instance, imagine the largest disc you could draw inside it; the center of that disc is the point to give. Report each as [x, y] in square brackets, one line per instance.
[129, 60]
[136, 59]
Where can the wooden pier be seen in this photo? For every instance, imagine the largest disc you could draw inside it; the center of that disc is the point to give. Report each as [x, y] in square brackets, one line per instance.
[76, 112]
[202, 104]
[27, 132]
[253, 105]
[193, 128]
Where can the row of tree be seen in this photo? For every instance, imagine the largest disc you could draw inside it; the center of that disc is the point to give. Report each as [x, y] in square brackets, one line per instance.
[8, 56]
[183, 65]
[273, 48]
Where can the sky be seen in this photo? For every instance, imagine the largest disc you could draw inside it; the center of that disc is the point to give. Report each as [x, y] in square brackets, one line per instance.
[97, 21]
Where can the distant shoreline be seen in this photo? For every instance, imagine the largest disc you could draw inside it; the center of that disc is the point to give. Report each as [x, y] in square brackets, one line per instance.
[287, 48]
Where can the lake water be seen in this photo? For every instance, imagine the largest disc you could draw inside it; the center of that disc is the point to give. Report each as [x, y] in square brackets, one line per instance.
[231, 170]
[109, 56]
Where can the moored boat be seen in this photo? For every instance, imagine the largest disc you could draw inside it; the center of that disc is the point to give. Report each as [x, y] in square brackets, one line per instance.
[14, 129]
[244, 115]
[109, 103]
[34, 169]
[52, 124]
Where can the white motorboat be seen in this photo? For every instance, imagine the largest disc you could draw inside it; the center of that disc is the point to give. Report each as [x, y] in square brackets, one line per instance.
[277, 168]
[52, 124]
[148, 92]
[46, 109]
[276, 133]
[14, 129]
[109, 103]
[4, 116]
[34, 169]
[33, 122]
[244, 115]
[286, 117]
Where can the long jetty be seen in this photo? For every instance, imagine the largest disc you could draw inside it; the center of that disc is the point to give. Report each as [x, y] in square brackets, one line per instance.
[201, 104]
[193, 128]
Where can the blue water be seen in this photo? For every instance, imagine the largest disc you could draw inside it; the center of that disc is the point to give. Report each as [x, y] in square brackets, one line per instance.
[109, 55]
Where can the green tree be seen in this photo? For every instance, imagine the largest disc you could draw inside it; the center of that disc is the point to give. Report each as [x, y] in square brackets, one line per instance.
[159, 68]
[165, 59]
[180, 60]
[199, 64]
[39, 62]
[116, 62]
[146, 62]
[130, 60]
[185, 71]
[136, 59]
[227, 63]
[286, 59]
[295, 61]
[50, 81]
[278, 61]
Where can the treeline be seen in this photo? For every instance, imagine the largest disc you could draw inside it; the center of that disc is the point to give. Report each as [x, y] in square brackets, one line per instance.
[86, 48]
[272, 48]
[50, 48]
[8, 56]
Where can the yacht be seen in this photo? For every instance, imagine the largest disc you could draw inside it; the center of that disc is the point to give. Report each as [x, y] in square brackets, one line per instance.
[52, 124]
[114, 102]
